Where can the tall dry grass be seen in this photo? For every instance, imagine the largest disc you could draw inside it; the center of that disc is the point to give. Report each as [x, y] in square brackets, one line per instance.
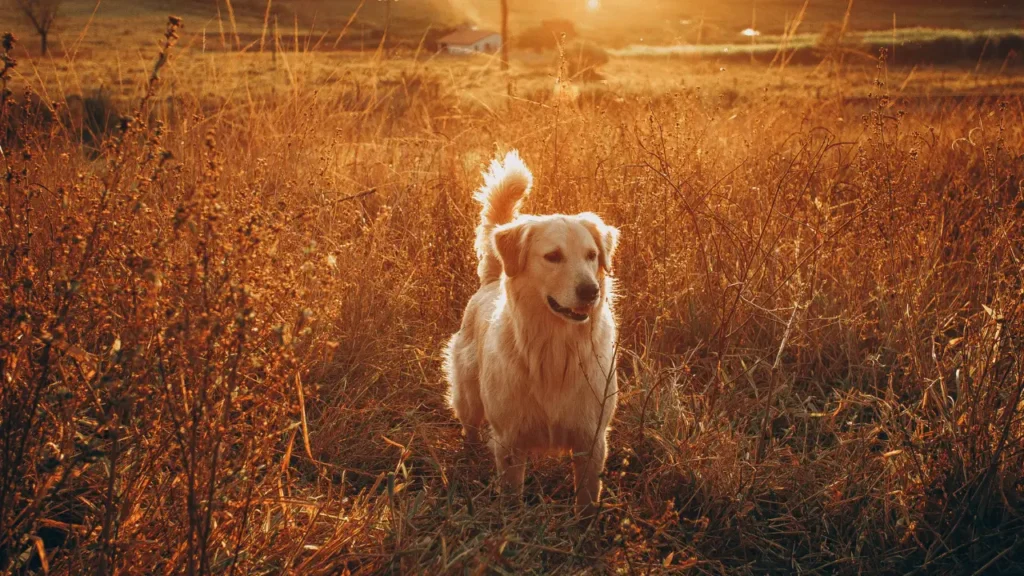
[221, 330]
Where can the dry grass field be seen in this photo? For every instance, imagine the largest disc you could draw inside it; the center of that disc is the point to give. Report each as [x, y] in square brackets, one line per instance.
[228, 276]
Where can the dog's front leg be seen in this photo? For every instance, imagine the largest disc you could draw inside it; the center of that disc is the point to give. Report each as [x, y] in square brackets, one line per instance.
[511, 468]
[472, 435]
[587, 466]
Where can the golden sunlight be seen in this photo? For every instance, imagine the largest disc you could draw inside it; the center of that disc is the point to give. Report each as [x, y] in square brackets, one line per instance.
[263, 270]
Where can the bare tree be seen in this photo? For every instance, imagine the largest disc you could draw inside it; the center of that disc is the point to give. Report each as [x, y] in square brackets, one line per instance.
[504, 35]
[41, 13]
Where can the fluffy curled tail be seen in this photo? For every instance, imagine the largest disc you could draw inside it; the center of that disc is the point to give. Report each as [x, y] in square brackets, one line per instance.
[506, 184]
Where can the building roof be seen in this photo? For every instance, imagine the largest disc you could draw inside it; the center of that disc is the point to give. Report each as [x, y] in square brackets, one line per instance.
[467, 37]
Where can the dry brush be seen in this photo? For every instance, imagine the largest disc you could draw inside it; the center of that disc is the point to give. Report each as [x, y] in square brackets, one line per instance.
[221, 326]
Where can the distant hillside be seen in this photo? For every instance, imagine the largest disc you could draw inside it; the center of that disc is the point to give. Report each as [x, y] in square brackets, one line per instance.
[619, 22]
[405, 14]
[657, 17]
[614, 23]
[771, 15]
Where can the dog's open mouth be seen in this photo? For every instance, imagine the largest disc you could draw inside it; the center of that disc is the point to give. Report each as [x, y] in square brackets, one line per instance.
[574, 314]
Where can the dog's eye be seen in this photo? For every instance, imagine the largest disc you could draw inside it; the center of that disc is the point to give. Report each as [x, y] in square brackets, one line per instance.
[592, 255]
[554, 257]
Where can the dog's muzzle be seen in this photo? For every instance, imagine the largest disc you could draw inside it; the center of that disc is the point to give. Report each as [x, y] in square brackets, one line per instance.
[574, 314]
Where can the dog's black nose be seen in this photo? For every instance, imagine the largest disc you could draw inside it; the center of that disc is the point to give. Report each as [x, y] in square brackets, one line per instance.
[587, 292]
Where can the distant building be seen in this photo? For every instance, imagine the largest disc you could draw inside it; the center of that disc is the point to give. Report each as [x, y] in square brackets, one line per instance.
[470, 41]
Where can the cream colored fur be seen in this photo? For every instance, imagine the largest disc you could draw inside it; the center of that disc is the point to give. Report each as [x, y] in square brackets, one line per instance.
[535, 356]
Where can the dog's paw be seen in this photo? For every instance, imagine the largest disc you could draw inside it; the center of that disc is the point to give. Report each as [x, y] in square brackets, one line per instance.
[472, 437]
[587, 511]
[510, 501]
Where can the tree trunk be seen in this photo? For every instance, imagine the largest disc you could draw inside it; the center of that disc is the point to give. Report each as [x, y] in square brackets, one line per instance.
[504, 34]
[42, 41]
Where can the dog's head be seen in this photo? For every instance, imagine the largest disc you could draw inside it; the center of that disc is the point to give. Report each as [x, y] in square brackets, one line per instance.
[558, 261]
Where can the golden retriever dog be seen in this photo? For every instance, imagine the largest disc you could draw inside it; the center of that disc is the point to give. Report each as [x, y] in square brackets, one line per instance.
[535, 355]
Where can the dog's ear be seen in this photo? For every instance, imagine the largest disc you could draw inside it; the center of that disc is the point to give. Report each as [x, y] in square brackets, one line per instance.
[511, 242]
[606, 237]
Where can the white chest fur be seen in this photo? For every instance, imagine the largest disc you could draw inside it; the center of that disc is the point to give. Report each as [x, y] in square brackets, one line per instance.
[556, 389]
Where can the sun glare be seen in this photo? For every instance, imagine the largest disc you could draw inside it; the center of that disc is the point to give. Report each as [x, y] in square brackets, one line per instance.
[751, 32]
[593, 5]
